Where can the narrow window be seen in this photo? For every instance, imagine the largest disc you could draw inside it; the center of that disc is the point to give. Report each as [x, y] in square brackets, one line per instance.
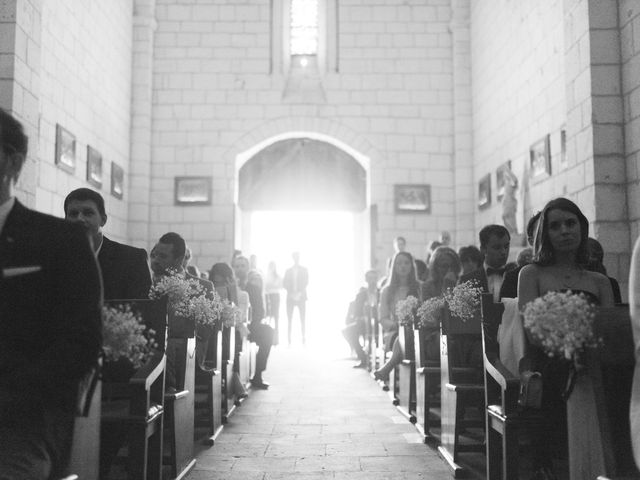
[304, 27]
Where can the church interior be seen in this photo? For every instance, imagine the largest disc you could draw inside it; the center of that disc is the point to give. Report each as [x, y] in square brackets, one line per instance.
[331, 128]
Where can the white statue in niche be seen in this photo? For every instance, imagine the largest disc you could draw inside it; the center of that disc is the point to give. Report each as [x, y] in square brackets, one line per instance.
[509, 200]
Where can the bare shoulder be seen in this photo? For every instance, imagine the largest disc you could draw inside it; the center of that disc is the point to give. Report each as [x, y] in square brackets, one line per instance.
[529, 271]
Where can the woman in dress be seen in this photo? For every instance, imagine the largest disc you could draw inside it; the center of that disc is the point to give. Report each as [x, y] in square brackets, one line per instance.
[559, 264]
[403, 282]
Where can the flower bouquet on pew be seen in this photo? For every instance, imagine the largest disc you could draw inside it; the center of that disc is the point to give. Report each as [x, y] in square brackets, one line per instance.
[464, 300]
[406, 310]
[126, 342]
[562, 324]
[430, 313]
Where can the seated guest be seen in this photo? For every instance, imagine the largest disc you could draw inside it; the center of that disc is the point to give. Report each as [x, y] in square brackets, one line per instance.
[509, 287]
[494, 246]
[50, 325]
[444, 270]
[561, 255]
[223, 279]
[365, 303]
[166, 256]
[402, 283]
[524, 257]
[399, 245]
[430, 249]
[421, 270]
[124, 269]
[470, 258]
[596, 257]
[261, 334]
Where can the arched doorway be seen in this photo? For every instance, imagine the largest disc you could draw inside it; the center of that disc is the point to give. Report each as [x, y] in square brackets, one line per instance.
[309, 195]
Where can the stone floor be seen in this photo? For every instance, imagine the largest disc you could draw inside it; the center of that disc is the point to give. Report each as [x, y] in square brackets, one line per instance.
[321, 419]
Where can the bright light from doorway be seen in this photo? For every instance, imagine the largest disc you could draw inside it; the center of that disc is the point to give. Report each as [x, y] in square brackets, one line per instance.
[325, 241]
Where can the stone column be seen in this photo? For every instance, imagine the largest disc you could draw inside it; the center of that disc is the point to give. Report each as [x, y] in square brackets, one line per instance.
[595, 126]
[464, 192]
[20, 28]
[144, 26]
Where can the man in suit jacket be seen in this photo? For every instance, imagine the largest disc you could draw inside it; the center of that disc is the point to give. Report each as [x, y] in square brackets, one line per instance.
[295, 283]
[509, 287]
[125, 271]
[50, 326]
[494, 245]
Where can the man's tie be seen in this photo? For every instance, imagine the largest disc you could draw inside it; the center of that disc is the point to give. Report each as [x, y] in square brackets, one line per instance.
[495, 271]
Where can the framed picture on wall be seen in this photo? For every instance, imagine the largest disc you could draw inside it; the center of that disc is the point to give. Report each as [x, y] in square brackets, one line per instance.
[540, 158]
[94, 167]
[117, 180]
[412, 198]
[65, 149]
[500, 178]
[193, 190]
[484, 191]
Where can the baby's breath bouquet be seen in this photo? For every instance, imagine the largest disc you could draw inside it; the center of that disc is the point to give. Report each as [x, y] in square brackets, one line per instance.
[464, 300]
[231, 314]
[430, 311]
[562, 322]
[187, 298]
[406, 310]
[124, 336]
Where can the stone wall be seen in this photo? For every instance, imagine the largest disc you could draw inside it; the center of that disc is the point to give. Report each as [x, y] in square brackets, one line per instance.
[217, 93]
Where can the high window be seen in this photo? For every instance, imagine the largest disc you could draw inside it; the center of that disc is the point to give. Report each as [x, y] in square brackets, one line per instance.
[304, 27]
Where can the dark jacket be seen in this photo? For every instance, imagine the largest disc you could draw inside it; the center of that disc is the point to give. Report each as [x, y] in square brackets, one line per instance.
[125, 271]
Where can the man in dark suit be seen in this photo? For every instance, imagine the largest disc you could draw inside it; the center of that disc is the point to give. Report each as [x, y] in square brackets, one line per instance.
[260, 333]
[50, 326]
[494, 245]
[125, 271]
[509, 287]
[295, 283]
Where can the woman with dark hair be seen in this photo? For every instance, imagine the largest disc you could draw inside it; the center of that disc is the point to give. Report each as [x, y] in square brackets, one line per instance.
[559, 264]
[403, 282]
[470, 258]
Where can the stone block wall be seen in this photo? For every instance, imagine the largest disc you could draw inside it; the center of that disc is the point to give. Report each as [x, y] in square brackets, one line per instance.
[216, 95]
[85, 86]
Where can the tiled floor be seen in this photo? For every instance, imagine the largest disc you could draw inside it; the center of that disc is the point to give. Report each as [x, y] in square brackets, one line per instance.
[321, 419]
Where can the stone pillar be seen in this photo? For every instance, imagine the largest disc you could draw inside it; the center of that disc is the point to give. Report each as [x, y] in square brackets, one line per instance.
[20, 28]
[464, 192]
[144, 26]
[595, 126]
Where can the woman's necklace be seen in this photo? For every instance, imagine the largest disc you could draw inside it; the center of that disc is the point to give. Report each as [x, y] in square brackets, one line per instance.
[570, 277]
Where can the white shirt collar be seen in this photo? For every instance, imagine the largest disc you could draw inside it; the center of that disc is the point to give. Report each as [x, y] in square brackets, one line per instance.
[5, 209]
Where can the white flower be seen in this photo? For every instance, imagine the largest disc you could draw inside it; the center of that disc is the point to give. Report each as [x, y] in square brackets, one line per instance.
[405, 310]
[430, 311]
[231, 314]
[562, 322]
[123, 335]
[464, 300]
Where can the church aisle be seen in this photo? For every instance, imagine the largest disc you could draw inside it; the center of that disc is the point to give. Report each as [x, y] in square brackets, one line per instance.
[321, 419]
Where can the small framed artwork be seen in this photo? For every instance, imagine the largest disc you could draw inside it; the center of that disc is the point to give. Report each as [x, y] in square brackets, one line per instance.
[193, 191]
[484, 191]
[412, 198]
[117, 180]
[540, 158]
[94, 167]
[500, 178]
[65, 149]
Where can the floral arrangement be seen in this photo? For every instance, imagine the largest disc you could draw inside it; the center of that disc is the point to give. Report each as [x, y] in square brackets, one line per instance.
[429, 312]
[406, 309]
[123, 335]
[464, 300]
[188, 298]
[231, 314]
[562, 322]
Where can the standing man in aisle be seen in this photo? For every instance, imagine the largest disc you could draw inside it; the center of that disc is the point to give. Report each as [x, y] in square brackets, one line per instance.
[251, 282]
[50, 325]
[125, 271]
[295, 283]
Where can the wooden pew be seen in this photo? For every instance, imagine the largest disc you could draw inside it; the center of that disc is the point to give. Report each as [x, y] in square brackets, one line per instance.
[462, 389]
[209, 386]
[134, 408]
[228, 354]
[406, 394]
[179, 404]
[375, 343]
[504, 419]
[598, 407]
[427, 389]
